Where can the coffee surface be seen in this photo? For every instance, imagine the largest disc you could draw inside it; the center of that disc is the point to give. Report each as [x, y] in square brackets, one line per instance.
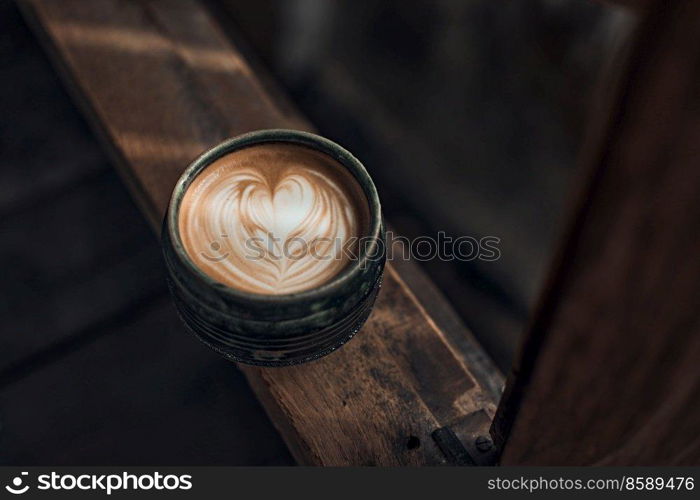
[273, 219]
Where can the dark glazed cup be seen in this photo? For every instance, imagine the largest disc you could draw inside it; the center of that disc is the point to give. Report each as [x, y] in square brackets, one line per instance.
[275, 330]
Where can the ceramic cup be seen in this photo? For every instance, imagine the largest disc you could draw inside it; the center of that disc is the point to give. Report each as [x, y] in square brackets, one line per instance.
[275, 330]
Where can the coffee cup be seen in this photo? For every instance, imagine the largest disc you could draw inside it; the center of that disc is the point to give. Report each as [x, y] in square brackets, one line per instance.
[274, 247]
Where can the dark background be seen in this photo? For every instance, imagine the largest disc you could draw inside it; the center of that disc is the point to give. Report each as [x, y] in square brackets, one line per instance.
[468, 114]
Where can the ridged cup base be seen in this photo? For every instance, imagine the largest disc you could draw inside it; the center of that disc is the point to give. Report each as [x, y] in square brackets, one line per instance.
[238, 346]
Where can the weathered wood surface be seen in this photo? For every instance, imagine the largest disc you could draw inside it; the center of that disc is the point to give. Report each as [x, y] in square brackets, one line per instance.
[609, 373]
[161, 83]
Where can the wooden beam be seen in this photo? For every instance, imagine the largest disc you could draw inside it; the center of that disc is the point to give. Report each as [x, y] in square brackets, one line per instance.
[160, 83]
[609, 372]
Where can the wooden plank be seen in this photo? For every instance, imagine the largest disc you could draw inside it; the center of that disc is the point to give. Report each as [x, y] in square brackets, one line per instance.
[89, 333]
[609, 374]
[161, 83]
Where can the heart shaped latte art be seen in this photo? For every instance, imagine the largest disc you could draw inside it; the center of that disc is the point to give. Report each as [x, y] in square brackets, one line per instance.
[269, 230]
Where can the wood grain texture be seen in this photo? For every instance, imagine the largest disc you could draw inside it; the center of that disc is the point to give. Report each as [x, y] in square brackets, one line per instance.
[609, 373]
[161, 83]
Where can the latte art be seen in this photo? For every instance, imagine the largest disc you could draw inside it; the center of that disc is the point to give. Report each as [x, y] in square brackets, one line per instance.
[273, 219]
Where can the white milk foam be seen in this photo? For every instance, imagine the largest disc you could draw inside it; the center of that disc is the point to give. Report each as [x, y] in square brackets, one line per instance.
[272, 219]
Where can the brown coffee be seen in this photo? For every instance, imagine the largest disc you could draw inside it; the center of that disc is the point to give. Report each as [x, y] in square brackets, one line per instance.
[273, 219]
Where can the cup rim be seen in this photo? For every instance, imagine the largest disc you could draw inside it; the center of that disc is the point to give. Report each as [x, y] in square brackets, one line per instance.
[264, 136]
